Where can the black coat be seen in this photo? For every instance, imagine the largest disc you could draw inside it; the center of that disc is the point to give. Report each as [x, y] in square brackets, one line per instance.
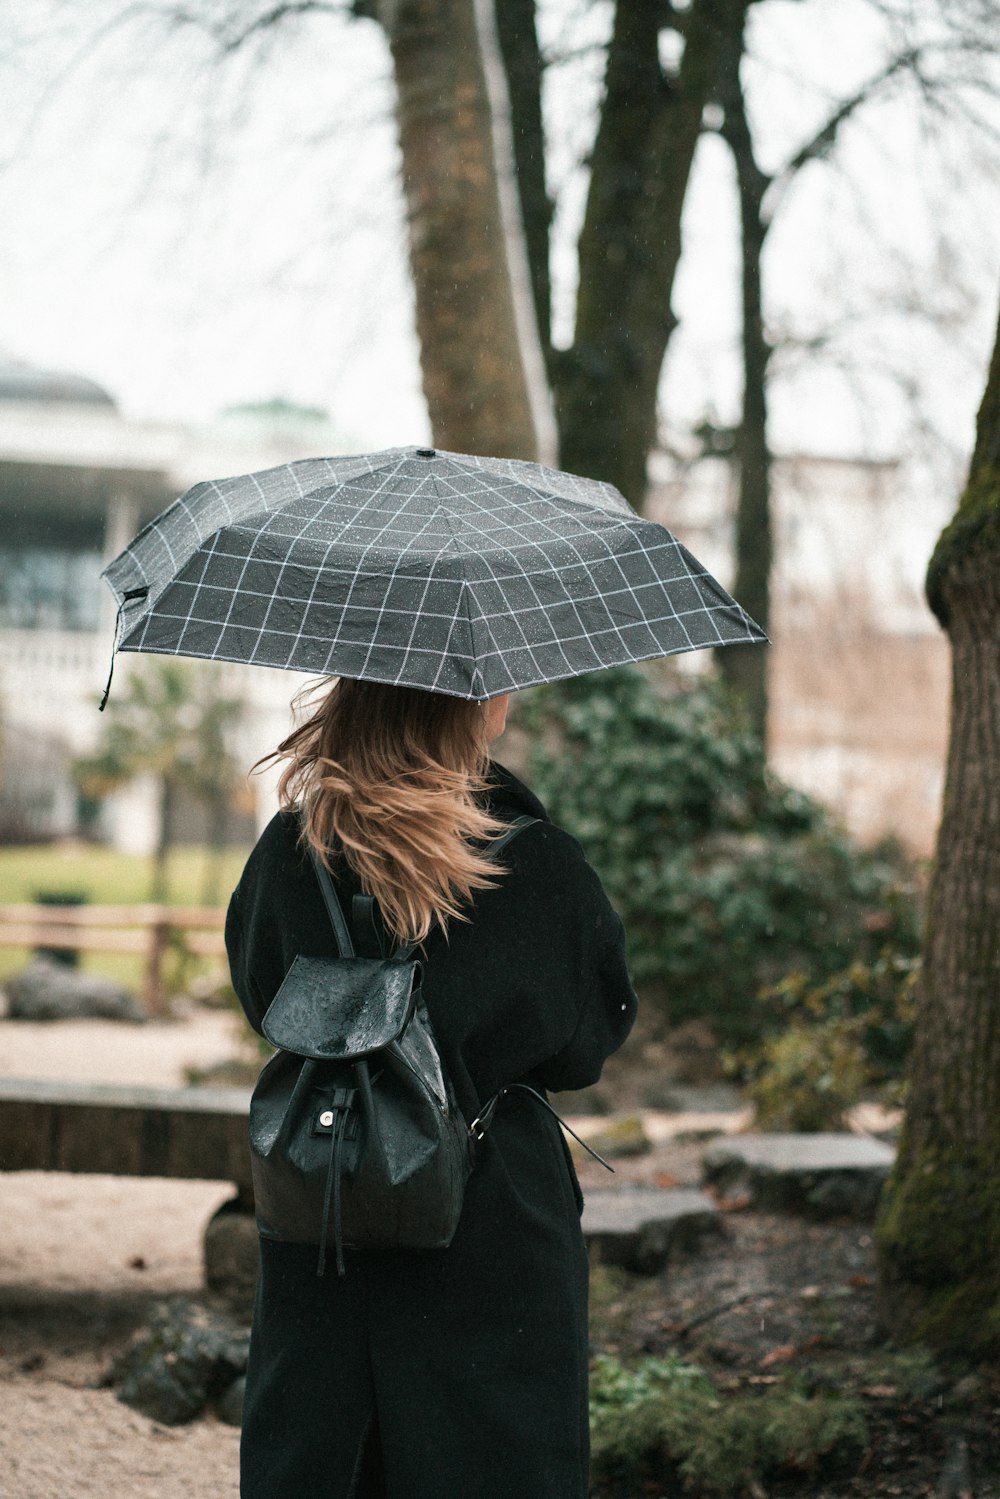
[463, 1371]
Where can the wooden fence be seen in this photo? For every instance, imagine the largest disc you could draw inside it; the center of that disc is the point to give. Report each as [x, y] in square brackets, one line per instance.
[147, 931]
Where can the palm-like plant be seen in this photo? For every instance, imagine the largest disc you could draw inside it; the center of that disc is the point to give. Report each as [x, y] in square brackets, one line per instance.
[172, 722]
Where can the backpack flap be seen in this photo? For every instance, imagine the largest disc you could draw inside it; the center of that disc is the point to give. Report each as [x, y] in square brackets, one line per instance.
[341, 1009]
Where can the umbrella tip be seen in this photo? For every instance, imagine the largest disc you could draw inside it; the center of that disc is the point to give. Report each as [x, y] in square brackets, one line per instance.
[426, 453]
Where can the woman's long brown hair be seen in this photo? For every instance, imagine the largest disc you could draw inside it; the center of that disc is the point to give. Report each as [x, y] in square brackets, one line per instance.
[388, 776]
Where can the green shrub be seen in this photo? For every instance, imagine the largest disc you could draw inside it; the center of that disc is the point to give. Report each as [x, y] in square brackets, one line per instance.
[876, 1000]
[807, 1077]
[666, 1420]
[726, 878]
[824, 1043]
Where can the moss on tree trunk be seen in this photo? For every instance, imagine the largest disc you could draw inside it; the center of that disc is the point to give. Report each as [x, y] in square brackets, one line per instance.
[939, 1228]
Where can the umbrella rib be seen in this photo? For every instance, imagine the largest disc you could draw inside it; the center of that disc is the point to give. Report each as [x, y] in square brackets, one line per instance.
[464, 598]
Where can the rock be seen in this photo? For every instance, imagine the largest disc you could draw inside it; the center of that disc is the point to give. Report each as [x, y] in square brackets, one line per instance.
[187, 1358]
[229, 1406]
[582, 1101]
[231, 1072]
[50, 991]
[232, 1255]
[706, 1098]
[822, 1175]
[621, 1136]
[638, 1229]
[967, 1390]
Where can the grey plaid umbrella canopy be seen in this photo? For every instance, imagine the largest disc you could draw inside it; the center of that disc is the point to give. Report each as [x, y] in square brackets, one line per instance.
[462, 575]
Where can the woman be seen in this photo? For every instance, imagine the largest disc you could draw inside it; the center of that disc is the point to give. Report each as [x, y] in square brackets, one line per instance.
[458, 1373]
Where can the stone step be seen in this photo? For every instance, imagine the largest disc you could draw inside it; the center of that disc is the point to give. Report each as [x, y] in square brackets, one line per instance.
[823, 1175]
[637, 1228]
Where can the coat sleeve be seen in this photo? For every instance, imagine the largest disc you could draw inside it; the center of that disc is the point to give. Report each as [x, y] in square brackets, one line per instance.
[602, 1003]
[607, 1011]
[247, 991]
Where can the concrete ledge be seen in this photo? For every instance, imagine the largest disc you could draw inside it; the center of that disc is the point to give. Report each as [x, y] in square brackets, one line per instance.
[638, 1228]
[825, 1175]
[198, 1133]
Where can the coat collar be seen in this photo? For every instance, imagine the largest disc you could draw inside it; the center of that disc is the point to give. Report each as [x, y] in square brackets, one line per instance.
[505, 794]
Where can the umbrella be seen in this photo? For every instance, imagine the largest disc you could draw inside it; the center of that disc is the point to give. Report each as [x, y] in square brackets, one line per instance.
[457, 574]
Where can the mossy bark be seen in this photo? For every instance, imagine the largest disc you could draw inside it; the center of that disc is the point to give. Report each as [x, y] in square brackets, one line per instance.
[939, 1228]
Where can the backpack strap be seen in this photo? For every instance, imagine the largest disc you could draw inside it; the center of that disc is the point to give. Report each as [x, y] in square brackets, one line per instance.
[369, 934]
[484, 1119]
[334, 909]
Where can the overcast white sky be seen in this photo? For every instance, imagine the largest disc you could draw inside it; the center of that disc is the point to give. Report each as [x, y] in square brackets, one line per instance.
[193, 236]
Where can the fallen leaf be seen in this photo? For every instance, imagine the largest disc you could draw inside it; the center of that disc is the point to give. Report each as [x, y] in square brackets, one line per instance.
[664, 1179]
[860, 1282]
[137, 1262]
[738, 1204]
[879, 1391]
[779, 1355]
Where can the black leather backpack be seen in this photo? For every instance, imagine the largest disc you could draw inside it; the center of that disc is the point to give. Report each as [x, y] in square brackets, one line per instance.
[354, 1118]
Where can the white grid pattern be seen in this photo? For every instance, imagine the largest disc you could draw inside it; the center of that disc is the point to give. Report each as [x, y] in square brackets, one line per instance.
[463, 575]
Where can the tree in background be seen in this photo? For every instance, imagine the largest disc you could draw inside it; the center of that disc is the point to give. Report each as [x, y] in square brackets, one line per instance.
[472, 359]
[939, 1230]
[476, 361]
[213, 773]
[606, 382]
[474, 172]
[174, 723]
[944, 71]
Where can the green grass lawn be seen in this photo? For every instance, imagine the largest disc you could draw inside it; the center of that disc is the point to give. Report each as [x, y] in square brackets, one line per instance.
[106, 878]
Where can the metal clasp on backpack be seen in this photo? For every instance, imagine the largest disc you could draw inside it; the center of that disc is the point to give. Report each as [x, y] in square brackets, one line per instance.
[341, 1101]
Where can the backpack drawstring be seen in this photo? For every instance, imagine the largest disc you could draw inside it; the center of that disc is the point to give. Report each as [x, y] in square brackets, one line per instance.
[339, 1111]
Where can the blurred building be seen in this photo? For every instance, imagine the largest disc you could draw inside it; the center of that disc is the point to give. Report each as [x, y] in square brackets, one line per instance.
[858, 666]
[77, 480]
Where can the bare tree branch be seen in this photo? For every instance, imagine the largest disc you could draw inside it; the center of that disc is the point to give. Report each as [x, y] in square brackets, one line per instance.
[822, 141]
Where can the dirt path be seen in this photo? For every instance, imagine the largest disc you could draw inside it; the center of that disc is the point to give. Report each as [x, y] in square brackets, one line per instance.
[82, 1259]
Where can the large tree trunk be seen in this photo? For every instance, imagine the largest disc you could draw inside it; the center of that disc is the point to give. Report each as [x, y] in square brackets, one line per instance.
[606, 384]
[745, 667]
[939, 1227]
[471, 361]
